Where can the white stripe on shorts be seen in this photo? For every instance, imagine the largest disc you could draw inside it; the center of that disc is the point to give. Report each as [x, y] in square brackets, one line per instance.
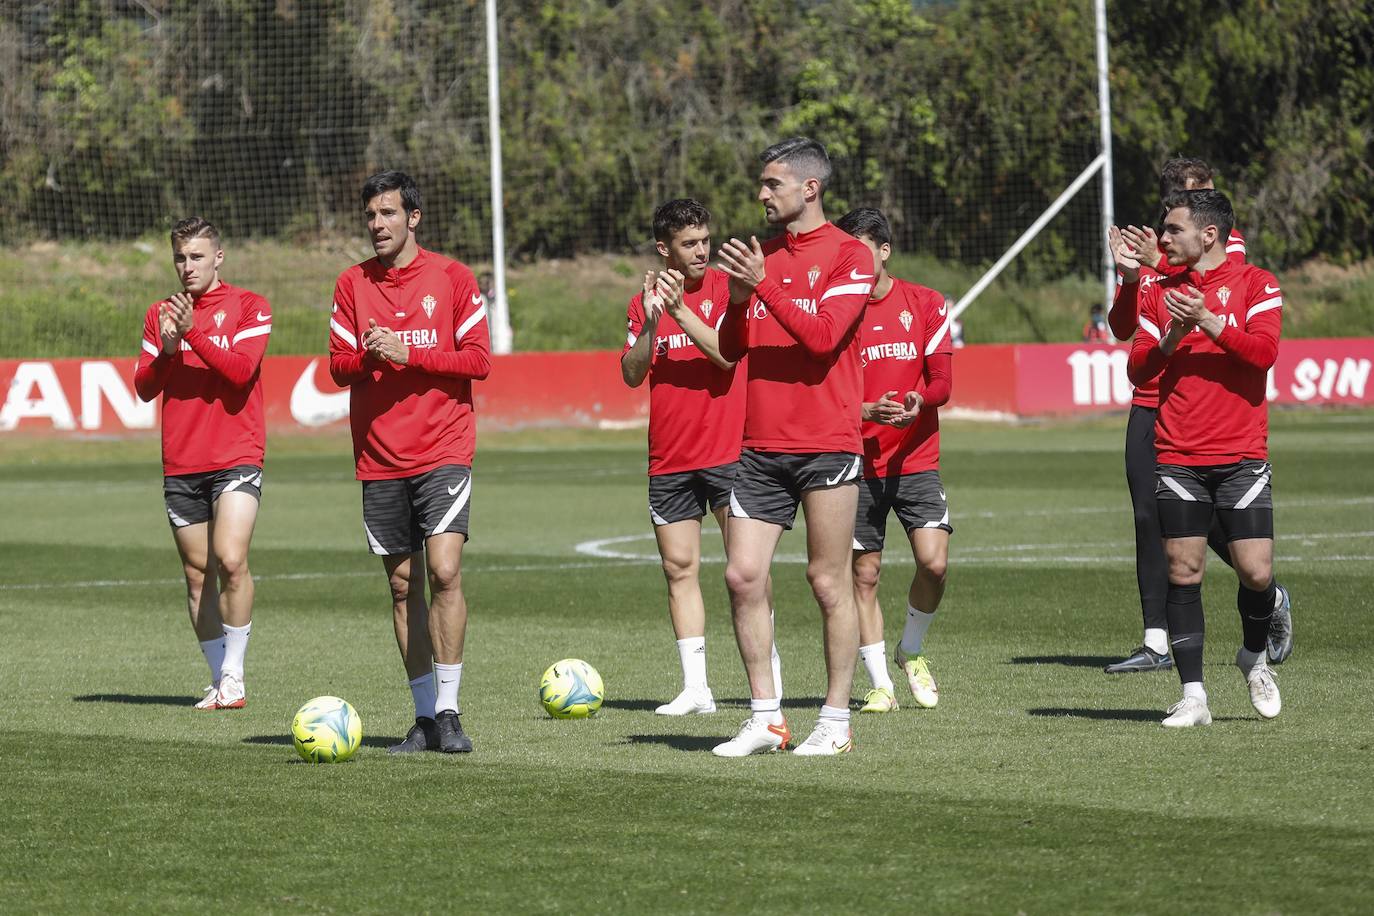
[458, 503]
[735, 508]
[373, 543]
[1254, 491]
[178, 520]
[1178, 488]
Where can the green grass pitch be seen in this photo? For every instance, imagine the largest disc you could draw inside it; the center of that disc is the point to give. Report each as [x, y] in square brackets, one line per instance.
[1039, 785]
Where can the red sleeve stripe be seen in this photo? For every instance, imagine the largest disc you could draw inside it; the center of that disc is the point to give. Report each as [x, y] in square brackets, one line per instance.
[1266, 305]
[150, 349]
[259, 331]
[1149, 327]
[847, 289]
[466, 326]
[939, 336]
[343, 333]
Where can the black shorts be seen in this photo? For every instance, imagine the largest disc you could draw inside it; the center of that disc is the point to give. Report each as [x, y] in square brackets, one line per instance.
[1240, 494]
[918, 499]
[190, 498]
[690, 494]
[769, 485]
[399, 514]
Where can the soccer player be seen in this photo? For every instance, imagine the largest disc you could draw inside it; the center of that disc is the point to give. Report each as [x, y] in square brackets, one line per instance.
[696, 421]
[795, 307]
[1140, 246]
[907, 376]
[1213, 333]
[202, 349]
[408, 336]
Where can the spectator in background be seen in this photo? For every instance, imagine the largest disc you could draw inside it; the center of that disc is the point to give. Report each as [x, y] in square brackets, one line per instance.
[1095, 331]
[956, 327]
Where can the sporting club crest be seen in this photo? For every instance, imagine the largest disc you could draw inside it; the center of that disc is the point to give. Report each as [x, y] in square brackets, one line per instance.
[813, 274]
[1224, 294]
[706, 306]
[905, 319]
[428, 304]
[219, 318]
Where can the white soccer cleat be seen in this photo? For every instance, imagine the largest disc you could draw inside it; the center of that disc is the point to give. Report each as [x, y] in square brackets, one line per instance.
[1188, 712]
[211, 698]
[756, 736]
[1264, 689]
[918, 678]
[231, 692]
[827, 740]
[692, 700]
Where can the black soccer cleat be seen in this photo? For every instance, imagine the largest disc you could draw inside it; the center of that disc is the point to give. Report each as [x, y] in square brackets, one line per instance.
[423, 736]
[452, 740]
[1142, 659]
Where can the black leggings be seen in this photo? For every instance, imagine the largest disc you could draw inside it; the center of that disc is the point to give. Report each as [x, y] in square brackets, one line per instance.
[1151, 568]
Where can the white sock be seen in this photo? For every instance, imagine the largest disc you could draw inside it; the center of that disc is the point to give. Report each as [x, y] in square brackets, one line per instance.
[422, 693]
[769, 710]
[775, 658]
[1247, 659]
[213, 650]
[692, 653]
[875, 662]
[448, 677]
[835, 714]
[1157, 640]
[914, 633]
[1194, 689]
[235, 647]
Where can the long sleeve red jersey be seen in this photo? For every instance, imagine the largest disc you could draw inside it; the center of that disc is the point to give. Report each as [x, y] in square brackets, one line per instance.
[906, 347]
[413, 418]
[804, 383]
[212, 415]
[1212, 394]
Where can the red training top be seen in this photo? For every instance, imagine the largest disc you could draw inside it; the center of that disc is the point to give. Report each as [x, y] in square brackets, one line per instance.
[906, 347]
[211, 394]
[412, 418]
[1213, 407]
[696, 408]
[800, 328]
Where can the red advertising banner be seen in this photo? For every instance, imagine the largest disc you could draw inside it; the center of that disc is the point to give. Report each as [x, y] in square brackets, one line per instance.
[96, 397]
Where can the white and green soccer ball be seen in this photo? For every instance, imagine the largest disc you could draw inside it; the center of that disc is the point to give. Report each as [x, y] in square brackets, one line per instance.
[571, 689]
[327, 730]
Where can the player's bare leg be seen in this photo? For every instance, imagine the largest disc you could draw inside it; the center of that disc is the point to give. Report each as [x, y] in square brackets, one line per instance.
[405, 575]
[202, 601]
[679, 548]
[775, 660]
[930, 549]
[231, 532]
[448, 624]
[1253, 559]
[868, 567]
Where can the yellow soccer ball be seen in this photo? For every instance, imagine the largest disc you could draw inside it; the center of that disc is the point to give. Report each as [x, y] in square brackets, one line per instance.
[571, 689]
[327, 730]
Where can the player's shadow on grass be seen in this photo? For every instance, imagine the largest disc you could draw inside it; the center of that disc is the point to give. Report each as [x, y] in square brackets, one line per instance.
[633, 704]
[138, 699]
[1071, 661]
[690, 743]
[285, 740]
[1119, 715]
[786, 703]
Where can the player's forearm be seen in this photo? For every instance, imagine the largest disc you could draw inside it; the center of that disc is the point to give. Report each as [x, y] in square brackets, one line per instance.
[635, 363]
[469, 362]
[1257, 349]
[733, 338]
[1146, 361]
[819, 334]
[1125, 309]
[236, 367]
[345, 368]
[705, 337]
[150, 378]
[938, 379]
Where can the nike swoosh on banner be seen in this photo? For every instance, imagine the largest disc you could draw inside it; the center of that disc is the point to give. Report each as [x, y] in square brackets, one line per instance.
[312, 407]
[855, 275]
[1270, 289]
[262, 317]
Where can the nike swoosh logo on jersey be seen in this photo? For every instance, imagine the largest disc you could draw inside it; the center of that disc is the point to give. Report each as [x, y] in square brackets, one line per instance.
[262, 317]
[453, 491]
[855, 275]
[1270, 289]
[312, 407]
[476, 299]
[943, 309]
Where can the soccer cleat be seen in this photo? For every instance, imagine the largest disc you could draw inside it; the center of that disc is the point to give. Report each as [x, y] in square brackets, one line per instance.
[879, 699]
[756, 736]
[691, 700]
[1279, 645]
[423, 736]
[918, 678]
[1264, 690]
[1142, 659]
[827, 740]
[211, 698]
[231, 692]
[1188, 712]
[452, 740]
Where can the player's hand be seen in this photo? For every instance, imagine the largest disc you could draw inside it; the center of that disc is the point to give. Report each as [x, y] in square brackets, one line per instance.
[670, 284]
[652, 300]
[167, 330]
[887, 409]
[743, 264]
[382, 343]
[911, 408]
[182, 309]
[1124, 254]
[1143, 243]
[1186, 305]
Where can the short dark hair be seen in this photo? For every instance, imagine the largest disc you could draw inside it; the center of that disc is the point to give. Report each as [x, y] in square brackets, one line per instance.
[678, 214]
[1178, 172]
[1207, 208]
[868, 222]
[804, 156]
[194, 227]
[392, 180]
